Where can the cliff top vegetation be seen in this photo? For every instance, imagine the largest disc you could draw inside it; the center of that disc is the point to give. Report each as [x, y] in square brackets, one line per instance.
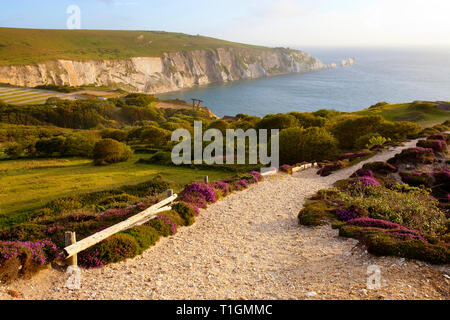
[32, 46]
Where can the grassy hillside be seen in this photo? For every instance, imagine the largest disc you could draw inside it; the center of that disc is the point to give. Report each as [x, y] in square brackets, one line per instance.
[29, 184]
[425, 114]
[31, 46]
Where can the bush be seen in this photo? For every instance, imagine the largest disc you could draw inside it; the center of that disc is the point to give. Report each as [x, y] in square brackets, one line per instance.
[417, 179]
[379, 167]
[313, 144]
[186, 212]
[108, 151]
[349, 130]
[278, 121]
[315, 213]
[328, 169]
[114, 249]
[436, 145]
[145, 236]
[199, 194]
[163, 225]
[413, 156]
[381, 243]
[14, 150]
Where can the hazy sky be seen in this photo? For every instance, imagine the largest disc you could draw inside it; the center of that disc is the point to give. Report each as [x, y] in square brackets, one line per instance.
[293, 23]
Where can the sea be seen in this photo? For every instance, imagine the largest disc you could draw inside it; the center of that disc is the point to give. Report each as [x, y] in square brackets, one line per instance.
[394, 75]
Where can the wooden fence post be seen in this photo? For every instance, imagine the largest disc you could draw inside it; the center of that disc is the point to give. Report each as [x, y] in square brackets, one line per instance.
[206, 179]
[70, 238]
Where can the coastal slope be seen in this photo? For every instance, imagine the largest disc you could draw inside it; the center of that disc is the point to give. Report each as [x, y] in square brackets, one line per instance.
[184, 65]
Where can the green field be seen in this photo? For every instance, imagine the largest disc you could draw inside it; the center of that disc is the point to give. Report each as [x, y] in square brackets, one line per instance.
[29, 184]
[32, 46]
[425, 115]
[21, 96]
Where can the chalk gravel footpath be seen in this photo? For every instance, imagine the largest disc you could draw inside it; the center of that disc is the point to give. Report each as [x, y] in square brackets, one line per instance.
[250, 246]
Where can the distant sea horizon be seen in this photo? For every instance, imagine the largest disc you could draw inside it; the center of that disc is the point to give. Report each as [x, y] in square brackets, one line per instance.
[394, 75]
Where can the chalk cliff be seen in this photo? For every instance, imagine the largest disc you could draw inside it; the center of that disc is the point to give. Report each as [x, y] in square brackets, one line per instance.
[172, 71]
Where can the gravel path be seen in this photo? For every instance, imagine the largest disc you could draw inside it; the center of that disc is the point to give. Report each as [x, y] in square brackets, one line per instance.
[250, 246]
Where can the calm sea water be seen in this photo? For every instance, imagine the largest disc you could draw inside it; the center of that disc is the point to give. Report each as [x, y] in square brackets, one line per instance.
[392, 75]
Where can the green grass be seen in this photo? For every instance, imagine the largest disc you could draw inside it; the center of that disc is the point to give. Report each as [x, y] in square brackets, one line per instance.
[425, 115]
[28, 184]
[32, 46]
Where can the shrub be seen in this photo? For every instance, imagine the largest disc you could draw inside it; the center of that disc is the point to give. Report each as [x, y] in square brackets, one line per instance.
[199, 194]
[108, 151]
[349, 130]
[278, 121]
[286, 168]
[363, 173]
[436, 145]
[365, 181]
[186, 212]
[347, 214]
[353, 156]
[20, 258]
[312, 144]
[315, 213]
[14, 150]
[382, 243]
[145, 236]
[379, 167]
[413, 156]
[330, 168]
[417, 179]
[222, 188]
[413, 209]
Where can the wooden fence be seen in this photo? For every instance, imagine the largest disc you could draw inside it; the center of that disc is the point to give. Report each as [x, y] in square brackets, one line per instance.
[73, 247]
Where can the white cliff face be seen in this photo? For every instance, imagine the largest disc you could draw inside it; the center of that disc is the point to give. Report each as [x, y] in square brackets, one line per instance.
[171, 72]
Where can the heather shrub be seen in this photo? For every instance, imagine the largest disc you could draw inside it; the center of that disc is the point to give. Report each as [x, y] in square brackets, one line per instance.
[416, 155]
[145, 236]
[382, 243]
[363, 173]
[222, 188]
[328, 169]
[163, 225]
[436, 145]
[382, 168]
[315, 213]
[186, 212]
[199, 194]
[346, 214]
[354, 155]
[22, 258]
[116, 248]
[286, 168]
[417, 179]
[440, 136]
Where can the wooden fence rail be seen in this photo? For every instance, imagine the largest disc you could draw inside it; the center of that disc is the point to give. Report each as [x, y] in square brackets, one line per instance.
[138, 219]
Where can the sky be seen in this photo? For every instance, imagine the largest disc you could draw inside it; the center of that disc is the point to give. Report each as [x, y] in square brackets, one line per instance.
[287, 23]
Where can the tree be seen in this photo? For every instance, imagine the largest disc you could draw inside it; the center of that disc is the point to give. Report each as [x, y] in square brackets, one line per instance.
[277, 121]
[312, 144]
[108, 151]
[14, 150]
